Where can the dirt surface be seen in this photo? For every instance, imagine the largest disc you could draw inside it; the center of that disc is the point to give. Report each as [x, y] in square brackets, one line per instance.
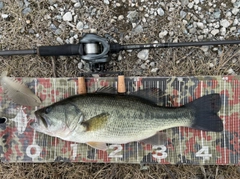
[27, 31]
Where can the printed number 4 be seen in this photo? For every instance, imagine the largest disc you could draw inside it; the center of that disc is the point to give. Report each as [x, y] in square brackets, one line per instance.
[204, 153]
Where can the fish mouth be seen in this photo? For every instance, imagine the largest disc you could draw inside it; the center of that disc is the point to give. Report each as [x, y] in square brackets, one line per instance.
[42, 119]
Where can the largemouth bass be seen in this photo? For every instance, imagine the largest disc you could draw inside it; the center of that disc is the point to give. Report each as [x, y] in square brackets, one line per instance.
[100, 118]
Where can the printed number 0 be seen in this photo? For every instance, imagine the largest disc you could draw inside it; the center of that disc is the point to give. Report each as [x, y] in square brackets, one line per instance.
[204, 153]
[162, 152]
[114, 153]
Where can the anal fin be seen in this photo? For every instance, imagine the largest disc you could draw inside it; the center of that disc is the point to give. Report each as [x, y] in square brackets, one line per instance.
[160, 138]
[98, 145]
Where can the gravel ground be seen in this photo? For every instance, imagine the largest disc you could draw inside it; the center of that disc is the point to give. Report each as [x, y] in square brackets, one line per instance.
[26, 24]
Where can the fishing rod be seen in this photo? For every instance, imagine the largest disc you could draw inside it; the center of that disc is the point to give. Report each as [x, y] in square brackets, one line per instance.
[97, 50]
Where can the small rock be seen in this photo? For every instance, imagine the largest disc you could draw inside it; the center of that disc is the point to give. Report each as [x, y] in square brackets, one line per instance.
[184, 2]
[59, 40]
[160, 11]
[80, 65]
[235, 10]
[192, 30]
[58, 32]
[211, 65]
[106, 1]
[1, 5]
[53, 27]
[224, 23]
[80, 25]
[214, 32]
[190, 5]
[234, 60]
[200, 25]
[77, 5]
[138, 29]
[233, 29]
[4, 16]
[67, 16]
[183, 14]
[235, 22]
[163, 34]
[152, 64]
[231, 71]
[228, 14]
[121, 17]
[120, 57]
[143, 54]
[223, 31]
[143, 66]
[27, 11]
[217, 14]
[236, 4]
[196, 1]
[154, 70]
[132, 16]
[205, 48]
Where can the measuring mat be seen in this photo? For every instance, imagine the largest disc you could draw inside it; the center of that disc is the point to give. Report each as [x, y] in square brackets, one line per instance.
[20, 143]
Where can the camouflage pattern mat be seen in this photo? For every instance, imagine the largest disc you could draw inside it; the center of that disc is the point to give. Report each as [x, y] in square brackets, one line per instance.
[20, 143]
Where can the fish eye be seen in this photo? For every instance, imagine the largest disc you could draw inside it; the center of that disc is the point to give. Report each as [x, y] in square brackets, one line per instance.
[48, 110]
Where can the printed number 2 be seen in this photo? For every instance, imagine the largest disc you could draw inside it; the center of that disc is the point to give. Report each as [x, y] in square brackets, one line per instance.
[160, 154]
[204, 153]
[114, 153]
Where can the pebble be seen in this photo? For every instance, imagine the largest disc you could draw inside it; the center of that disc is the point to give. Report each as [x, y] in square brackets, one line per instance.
[183, 14]
[204, 48]
[200, 25]
[121, 17]
[80, 65]
[77, 5]
[214, 32]
[211, 65]
[143, 54]
[235, 10]
[231, 71]
[163, 34]
[27, 11]
[152, 64]
[190, 5]
[224, 23]
[132, 16]
[154, 70]
[160, 11]
[60, 40]
[106, 1]
[4, 16]
[80, 25]
[67, 16]
[1, 5]
[138, 29]
[143, 66]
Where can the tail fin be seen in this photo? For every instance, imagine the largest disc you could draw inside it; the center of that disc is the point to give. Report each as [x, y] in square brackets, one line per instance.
[206, 109]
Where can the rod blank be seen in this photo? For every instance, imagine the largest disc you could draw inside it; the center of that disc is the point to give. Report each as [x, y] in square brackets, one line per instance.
[18, 52]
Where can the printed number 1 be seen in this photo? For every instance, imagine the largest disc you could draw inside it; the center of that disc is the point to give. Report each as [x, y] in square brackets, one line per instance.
[204, 153]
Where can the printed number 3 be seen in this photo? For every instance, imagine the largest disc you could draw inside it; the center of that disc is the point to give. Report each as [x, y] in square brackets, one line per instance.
[160, 154]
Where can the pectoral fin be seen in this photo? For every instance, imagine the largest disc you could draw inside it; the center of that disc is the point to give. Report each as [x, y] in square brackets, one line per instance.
[98, 145]
[160, 138]
[96, 122]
